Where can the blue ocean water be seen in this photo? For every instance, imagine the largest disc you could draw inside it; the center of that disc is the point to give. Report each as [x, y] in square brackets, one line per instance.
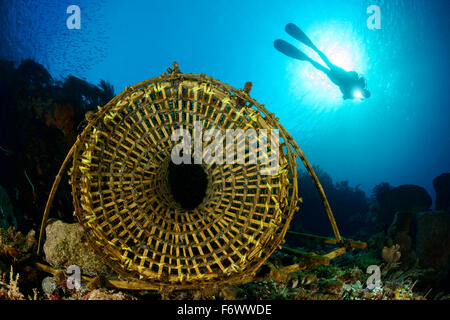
[400, 135]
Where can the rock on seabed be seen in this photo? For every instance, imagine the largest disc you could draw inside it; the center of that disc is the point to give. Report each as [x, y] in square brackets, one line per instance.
[441, 185]
[66, 245]
[410, 198]
[433, 239]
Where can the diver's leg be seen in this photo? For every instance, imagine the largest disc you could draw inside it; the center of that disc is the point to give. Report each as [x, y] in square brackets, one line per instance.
[289, 50]
[298, 34]
[319, 67]
[324, 57]
[293, 52]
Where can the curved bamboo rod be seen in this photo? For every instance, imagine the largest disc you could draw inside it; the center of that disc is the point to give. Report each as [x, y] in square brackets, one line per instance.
[52, 195]
[321, 192]
[313, 176]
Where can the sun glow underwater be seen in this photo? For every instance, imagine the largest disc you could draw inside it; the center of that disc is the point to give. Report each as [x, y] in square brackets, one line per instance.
[342, 46]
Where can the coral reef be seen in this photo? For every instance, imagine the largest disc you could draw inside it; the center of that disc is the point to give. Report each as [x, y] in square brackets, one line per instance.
[409, 198]
[344, 279]
[349, 204]
[401, 233]
[9, 289]
[433, 239]
[441, 185]
[101, 294]
[391, 255]
[6, 210]
[15, 247]
[41, 118]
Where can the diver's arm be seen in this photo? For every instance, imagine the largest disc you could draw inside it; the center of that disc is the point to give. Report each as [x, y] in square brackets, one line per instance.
[346, 96]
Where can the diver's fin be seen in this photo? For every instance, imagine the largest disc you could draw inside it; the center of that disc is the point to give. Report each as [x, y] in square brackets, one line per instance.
[289, 50]
[298, 34]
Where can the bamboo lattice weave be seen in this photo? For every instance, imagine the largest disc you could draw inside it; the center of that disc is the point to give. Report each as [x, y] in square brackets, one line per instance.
[122, 197]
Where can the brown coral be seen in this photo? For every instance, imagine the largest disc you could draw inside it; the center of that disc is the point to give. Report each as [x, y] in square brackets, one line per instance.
[9, 289]
[62, 118]
[14, 246]
[391, 255]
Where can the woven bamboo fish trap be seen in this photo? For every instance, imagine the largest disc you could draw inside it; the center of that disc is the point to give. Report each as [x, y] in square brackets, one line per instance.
[123, 199]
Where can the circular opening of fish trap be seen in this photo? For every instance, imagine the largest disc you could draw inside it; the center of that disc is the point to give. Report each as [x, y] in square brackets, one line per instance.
[188, 184]
[183, 225]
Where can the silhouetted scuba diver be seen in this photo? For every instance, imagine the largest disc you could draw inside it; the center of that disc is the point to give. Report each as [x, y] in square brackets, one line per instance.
[349, 82]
